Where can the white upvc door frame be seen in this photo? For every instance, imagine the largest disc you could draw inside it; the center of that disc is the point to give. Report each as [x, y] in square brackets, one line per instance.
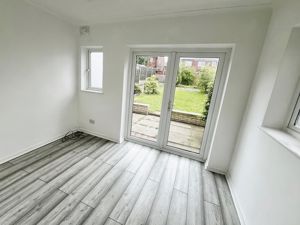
[130, 90]
[174, 54]
[209, 122]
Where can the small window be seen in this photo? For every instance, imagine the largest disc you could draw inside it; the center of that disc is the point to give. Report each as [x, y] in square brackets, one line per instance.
[295, 118]
[93, 69]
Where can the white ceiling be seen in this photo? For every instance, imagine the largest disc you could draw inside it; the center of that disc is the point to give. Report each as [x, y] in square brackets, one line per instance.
[86, 12]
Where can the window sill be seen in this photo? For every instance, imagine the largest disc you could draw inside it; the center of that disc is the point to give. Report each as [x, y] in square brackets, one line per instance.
[93, 91]
[287, 140]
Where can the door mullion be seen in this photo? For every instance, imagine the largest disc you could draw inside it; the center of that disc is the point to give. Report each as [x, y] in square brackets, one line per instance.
[162, 136]
[169, 99]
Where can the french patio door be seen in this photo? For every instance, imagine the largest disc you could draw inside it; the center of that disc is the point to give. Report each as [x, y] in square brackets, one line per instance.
[174, 99]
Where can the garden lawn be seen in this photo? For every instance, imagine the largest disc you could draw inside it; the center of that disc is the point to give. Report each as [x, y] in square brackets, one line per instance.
[186, 99]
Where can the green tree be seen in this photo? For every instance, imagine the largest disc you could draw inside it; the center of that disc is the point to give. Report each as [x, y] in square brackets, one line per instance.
[142, 60]
[187, 76]
[137, 89]
[151, 86]
[207, 76]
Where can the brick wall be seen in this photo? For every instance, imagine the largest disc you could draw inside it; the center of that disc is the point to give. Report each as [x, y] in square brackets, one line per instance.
[140, 108]
[178, 116]
[189, 118]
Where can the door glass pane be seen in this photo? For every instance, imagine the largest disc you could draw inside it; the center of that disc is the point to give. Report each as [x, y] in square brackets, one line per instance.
[194, 86]
[149, 85]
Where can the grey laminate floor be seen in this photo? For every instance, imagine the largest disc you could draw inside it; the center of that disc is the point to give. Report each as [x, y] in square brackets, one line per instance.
[94, 181]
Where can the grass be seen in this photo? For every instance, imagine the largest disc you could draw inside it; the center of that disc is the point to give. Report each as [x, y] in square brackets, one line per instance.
[185, 100]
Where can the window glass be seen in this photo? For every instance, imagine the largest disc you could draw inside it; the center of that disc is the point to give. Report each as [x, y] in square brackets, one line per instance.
[96, 69]
[297, 122]
[295, 119]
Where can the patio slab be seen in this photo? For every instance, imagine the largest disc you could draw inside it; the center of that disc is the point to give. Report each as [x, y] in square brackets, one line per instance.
[182, 135]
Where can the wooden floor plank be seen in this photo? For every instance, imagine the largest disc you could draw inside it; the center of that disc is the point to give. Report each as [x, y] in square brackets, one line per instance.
[12, 178]
[114, 159]
[94, 181]
[101, 212]
[84, 151]
[112, 151]
[46, 149]
[102, 150]
[95, 145]
[195, 209]
[94, 197]
[42, 209]
[141, 155]
[111, 222]
[25, 206]
[213, 215]
[125, 162]
[24, 181]
[5, 165]
[31, 177]
[65, 207]
[70, 149]
[27, 179]
[177, 212]
[78, 215]
[160, 209]
[182, 178]
[159, 167]
[70, 185]
[230, 216]
[16, 186]
[15, 200]
[141, 210]
[130, 196]
[33, 159]
[210, 187]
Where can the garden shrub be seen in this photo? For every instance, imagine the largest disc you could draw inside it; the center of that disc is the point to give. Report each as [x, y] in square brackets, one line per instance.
[142, 60]
[209, 91]
[178, 79]
[137, 89]
[187, 76]
[151, 86]
[206, 78]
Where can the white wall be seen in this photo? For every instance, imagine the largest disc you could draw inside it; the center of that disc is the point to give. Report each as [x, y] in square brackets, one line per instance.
[37, 78]
[245, 28]
[264, 176]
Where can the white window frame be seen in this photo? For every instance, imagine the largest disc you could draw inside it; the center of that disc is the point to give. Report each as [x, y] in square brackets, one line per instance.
[295, 112]
[86, 69]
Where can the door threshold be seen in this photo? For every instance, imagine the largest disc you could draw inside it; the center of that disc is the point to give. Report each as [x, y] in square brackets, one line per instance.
[182, 153]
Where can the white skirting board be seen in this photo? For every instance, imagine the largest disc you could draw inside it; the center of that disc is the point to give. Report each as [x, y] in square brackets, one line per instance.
[49, 140]
[35, 146]
[235, 201]
[100, 135]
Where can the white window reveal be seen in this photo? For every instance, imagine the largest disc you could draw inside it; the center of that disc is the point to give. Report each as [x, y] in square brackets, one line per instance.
[294, 123]
[92, 69]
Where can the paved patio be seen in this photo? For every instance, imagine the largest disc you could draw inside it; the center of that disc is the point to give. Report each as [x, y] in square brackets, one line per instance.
[183, 136]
